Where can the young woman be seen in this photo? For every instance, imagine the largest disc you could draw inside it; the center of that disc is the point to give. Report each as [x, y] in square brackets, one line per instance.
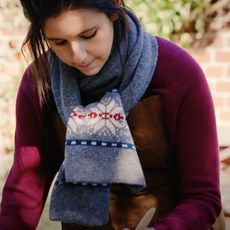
[125, 118]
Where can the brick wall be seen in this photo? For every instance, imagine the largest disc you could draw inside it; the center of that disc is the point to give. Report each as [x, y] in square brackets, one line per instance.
[12, 31]
[215, 62]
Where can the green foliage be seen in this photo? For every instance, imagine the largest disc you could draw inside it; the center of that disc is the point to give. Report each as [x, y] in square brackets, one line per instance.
[186, 21]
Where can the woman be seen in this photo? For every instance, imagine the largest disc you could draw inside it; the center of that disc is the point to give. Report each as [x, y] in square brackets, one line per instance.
[99, 84]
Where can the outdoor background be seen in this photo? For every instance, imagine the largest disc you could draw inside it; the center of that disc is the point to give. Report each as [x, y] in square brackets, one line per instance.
[200, 26]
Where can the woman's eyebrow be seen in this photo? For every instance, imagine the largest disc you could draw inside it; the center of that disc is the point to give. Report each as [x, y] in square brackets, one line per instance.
[85, 31]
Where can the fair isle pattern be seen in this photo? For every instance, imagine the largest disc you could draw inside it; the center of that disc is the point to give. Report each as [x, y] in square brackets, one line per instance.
[100, 143]
[103, 121]
[99, 140]
[94, 115]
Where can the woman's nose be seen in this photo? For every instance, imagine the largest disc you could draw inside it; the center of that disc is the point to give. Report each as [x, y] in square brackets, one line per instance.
[79, 53]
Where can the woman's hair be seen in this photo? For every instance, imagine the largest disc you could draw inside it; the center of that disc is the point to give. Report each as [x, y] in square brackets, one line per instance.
[38, 11]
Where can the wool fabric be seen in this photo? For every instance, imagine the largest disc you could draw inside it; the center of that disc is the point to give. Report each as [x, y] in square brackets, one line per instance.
[99, 149]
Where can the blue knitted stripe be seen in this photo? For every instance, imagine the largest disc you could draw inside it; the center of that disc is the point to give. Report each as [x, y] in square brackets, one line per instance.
[60, 182]
[95, 143]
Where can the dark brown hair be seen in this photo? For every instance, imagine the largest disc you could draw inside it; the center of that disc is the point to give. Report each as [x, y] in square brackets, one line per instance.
[38, 11]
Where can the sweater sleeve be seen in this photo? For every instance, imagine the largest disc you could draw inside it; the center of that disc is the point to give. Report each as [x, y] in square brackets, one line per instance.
[28, 182]
[195, 147]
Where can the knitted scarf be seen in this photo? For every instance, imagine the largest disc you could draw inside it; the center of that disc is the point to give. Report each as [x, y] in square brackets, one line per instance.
[99, 149]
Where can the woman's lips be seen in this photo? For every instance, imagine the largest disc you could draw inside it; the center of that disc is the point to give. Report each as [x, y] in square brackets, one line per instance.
[85, 66]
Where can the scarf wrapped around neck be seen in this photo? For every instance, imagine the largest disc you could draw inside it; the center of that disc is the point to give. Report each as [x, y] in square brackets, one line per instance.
[99, 149]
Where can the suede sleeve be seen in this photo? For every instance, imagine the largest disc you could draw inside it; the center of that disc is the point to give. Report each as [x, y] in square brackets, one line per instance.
[28, 182]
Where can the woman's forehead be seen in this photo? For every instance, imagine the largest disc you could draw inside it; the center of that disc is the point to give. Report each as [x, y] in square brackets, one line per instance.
[76, 21]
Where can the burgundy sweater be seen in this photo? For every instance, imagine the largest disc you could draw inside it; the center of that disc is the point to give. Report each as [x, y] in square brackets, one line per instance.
[190, 123]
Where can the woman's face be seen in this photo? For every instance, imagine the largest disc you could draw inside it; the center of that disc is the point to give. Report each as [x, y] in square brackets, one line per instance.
[81, 38]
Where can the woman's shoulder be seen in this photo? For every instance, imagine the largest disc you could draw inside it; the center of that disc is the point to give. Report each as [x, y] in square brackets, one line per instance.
[174, 59]
[27, 92]
[176, 67]
[26, 84]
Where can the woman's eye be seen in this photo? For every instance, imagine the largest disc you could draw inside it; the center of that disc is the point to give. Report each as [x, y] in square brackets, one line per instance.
[86, 36]
[89, 36]
[61, 43]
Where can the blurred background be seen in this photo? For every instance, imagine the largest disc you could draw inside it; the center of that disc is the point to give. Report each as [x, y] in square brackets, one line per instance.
[200, 26]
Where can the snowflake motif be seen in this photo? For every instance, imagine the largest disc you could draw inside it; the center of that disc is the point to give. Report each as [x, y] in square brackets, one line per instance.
[101, 118]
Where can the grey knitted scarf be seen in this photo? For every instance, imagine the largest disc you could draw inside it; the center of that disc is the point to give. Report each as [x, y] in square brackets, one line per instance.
[99, 149]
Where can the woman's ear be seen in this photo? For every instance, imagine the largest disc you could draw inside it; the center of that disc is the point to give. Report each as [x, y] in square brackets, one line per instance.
[117, 2]
[113, 17]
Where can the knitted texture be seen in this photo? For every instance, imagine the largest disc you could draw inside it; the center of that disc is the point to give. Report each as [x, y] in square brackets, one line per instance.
[99, 136]
[74, 203]
[99, 149]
